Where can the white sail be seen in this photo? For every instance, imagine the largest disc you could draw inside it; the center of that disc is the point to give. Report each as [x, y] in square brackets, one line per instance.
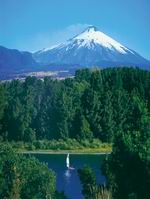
[67, 161]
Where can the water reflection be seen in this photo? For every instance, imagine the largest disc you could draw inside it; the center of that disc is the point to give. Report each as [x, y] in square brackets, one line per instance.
[67, 174]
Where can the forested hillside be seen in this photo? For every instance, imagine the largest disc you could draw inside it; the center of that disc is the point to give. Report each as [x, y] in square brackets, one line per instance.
[94, 104]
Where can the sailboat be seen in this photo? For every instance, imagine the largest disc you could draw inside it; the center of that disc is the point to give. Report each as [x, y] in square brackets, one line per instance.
[68, 163]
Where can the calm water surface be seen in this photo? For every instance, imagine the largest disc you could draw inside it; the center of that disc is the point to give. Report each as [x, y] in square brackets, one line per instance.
[68, 181]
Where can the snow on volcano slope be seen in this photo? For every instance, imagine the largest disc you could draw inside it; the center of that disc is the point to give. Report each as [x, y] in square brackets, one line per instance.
[90, 48]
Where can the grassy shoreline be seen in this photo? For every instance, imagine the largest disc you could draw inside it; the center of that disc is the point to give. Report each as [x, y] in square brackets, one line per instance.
[75, 152]
[62, 147]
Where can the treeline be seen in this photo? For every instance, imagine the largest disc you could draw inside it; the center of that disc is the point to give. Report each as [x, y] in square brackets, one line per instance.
[94, 104]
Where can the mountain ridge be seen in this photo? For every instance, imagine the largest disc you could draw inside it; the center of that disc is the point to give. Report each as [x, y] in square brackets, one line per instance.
[13, 59]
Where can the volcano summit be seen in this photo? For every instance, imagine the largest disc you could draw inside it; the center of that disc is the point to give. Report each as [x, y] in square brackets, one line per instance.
[90, 48]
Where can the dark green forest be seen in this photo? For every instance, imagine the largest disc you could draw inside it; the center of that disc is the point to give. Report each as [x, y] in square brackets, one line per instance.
[111, 105]
[94, 104]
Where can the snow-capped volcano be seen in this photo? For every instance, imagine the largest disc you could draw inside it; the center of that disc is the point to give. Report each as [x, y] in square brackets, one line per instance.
[92, 36]
[90, 48]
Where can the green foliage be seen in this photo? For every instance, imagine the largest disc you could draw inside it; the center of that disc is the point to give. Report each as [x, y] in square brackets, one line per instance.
[107, 121]
[61, 144]
[39, 181]
[2, 100]
[81, 127]
[90, 188]
[88, 179]
[128, 166]
[24, 177]
[110, 105]
[95, 104]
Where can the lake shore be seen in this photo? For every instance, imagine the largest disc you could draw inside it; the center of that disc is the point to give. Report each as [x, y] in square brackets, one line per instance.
[75, 152]
[71, 146]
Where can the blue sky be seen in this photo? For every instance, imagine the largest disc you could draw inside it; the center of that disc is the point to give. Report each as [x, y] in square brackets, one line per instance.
[35, 24]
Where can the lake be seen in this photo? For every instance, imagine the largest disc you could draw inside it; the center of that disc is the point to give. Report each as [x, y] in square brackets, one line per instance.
[68, 180]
